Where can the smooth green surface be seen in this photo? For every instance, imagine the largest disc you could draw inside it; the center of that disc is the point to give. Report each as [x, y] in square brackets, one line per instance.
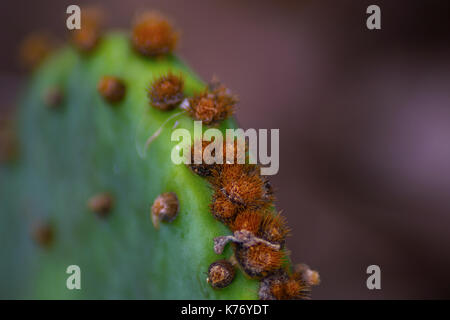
[87, 147]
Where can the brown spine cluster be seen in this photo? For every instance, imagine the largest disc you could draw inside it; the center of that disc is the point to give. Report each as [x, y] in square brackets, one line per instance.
[166, 92]
[243, 200]
[111, 88]
[164, 208]
[101, 204]
[259, 260]
[213, 105]
[274, 229]
[153, 35]
[249, 220]
[220, 274]
[282, 285]
[242, 185]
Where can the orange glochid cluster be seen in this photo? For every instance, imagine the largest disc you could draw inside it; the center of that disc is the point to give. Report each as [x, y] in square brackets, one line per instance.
[101, 204]
[258, 260]
[111, 88]
[164, 208]
[243, 200]
[212, 105]
[282, 285]
[220, 274]
[153, 35]
[166, 92]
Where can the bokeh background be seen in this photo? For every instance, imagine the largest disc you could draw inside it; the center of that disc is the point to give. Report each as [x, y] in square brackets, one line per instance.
[364, 119]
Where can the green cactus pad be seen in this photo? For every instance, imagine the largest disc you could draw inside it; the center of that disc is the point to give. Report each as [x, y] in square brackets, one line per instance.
[86, 146]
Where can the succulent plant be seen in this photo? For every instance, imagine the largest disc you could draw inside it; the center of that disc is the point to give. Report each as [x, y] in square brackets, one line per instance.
[93, 184]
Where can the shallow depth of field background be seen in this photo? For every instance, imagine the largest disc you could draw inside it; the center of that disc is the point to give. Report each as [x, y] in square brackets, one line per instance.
[364, 119]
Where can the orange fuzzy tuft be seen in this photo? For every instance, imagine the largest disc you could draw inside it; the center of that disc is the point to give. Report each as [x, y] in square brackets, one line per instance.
[164, 208]
[241, 184]
[281, 286]
[222, 209]
[303, 273]
[272, 286]
[212, 107]
[166, 92]
[111, 88]
[220, 274]
[292, 288]
[249, 220]
[259, 260]
[274, 229]
[277, 290]
[153, 35]
[101, 204]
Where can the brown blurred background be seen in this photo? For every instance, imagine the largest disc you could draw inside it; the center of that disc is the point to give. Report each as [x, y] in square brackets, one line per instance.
[364, 119]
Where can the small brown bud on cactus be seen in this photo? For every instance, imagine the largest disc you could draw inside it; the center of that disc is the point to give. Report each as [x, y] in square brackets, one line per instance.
[281, 286]
[242, 185]
[259, 259]
[220, 274]
[166, 92]
[222, 209]
[153, 35]
[43, 234]
[111, 88]
[164, 208]
[211, 107]
[101, 204]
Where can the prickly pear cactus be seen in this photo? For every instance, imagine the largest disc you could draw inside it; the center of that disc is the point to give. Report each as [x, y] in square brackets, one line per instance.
[82, 189]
